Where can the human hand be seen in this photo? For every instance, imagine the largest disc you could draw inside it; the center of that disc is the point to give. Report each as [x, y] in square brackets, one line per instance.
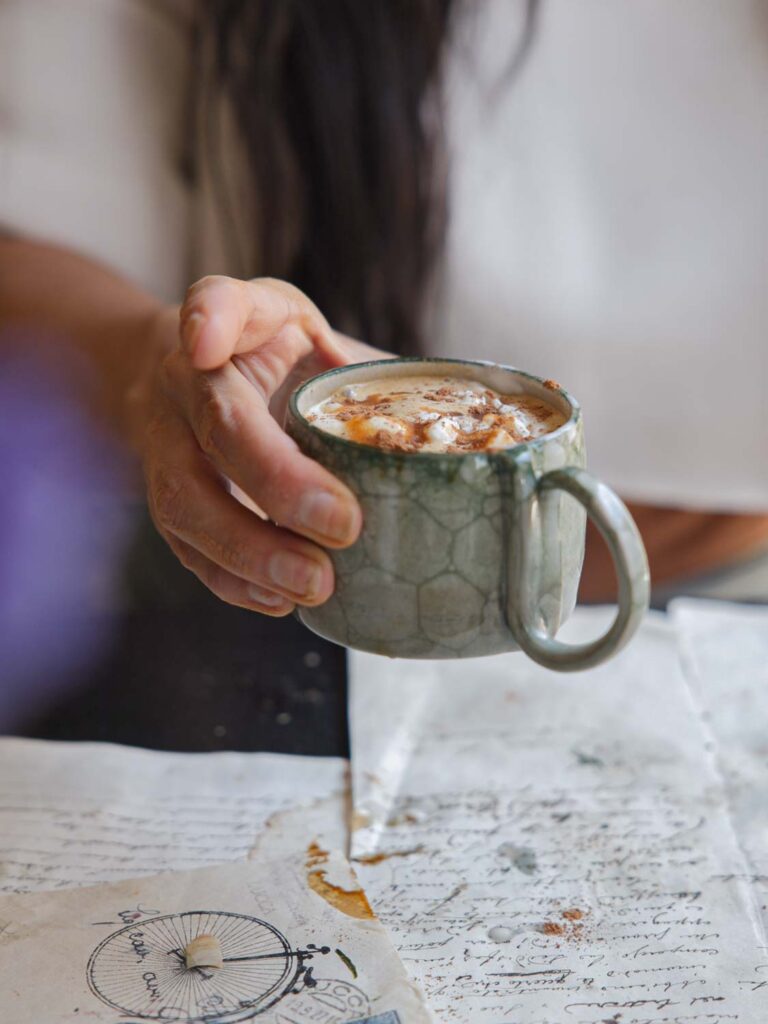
[208, 422]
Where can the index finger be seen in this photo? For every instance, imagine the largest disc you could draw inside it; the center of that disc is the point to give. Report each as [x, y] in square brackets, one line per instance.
[222, 317]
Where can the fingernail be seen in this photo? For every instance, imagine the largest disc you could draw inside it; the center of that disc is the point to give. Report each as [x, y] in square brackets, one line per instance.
[268, 598]
[299, 575]
[326, 514]
[192, 327]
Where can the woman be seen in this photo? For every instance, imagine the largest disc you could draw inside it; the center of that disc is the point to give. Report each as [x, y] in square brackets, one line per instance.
[587, 151]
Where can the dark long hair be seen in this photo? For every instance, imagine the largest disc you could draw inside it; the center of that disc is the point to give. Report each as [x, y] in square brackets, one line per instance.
[339, 105]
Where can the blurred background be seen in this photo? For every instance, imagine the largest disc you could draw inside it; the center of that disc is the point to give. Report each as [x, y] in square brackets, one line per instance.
[577, 189]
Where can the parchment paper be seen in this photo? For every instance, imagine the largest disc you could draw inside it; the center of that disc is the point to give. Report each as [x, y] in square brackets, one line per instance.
[298, 940]
[552, 848]
[80, 814]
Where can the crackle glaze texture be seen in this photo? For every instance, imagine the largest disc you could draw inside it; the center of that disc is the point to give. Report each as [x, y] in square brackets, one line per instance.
[428, 577]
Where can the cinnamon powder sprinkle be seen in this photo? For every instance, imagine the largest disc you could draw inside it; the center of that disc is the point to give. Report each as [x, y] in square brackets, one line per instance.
[553, 928]
[573, 915]
[448, 415]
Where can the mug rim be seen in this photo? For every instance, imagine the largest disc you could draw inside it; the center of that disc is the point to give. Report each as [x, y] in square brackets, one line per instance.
[346, 443]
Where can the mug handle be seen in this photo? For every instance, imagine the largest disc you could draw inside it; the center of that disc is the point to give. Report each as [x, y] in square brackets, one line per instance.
[611, 516]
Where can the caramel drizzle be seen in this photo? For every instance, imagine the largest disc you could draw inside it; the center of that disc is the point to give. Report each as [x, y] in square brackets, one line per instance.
[357, 412]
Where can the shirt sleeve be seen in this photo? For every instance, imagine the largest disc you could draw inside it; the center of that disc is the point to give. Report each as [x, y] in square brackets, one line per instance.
[92, 103]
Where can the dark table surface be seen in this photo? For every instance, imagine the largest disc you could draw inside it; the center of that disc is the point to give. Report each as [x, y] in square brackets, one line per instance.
[183, 671]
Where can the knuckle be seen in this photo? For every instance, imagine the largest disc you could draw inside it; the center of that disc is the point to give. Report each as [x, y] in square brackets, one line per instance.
[167, 491]
[234, 559]
[216, 422]
[289, 292]
[186, 557]
[208, 281]
[273, 490]
[210, 575]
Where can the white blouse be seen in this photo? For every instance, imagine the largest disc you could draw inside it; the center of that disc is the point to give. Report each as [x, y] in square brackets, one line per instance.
[609, 206]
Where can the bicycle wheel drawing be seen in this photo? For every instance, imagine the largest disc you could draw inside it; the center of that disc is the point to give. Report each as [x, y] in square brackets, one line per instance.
[141, 969]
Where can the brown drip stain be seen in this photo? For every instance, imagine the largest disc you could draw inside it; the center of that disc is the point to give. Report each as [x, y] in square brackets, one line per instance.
[316, 855]
[352, 902]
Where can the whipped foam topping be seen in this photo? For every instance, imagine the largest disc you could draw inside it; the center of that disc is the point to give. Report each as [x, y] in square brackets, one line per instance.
[433, 414]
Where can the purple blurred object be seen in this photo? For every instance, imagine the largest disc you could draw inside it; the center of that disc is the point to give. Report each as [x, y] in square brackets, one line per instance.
[63, 529]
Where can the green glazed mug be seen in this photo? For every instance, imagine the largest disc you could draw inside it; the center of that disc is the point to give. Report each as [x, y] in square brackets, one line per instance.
[469, 554]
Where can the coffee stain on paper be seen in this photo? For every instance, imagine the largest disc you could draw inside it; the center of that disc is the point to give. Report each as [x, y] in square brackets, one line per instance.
[352, 902]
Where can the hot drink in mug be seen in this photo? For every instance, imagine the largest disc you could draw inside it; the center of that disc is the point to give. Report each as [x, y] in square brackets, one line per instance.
[433, 414]
[472, 543]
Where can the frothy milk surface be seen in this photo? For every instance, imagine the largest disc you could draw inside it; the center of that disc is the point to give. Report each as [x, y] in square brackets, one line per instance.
[433, 414]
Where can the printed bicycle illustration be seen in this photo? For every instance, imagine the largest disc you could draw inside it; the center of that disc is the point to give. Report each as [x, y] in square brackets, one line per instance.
[141, 969]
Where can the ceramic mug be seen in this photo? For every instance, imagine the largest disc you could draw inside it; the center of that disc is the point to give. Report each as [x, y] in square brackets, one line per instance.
[469, 554]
